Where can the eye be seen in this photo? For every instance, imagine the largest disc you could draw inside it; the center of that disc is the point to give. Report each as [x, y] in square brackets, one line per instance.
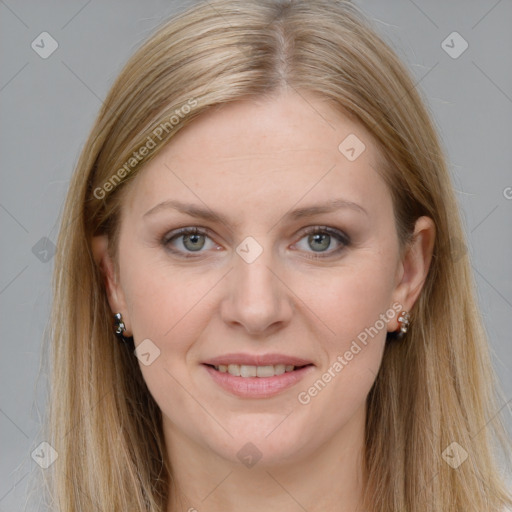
[320, 238]
[193, 240]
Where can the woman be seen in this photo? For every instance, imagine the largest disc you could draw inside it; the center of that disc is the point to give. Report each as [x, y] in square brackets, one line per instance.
[263, 217]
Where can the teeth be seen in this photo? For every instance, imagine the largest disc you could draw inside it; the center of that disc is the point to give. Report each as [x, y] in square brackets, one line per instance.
[248, 371]
[265, 371]
[234, 369]
[242, 370]
[279, 369]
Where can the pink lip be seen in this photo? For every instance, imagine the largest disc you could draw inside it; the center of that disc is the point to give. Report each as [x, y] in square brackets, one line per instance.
[257, 360]
[257, 387]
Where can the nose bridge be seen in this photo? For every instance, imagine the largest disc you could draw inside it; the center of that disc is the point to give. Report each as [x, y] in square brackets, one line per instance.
[252, 273]
[257, 298]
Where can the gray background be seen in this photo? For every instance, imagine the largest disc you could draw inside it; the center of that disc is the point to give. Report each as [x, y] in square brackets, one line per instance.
[48, 107]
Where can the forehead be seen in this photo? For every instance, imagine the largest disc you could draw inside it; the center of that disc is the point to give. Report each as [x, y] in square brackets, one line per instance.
[270, 151]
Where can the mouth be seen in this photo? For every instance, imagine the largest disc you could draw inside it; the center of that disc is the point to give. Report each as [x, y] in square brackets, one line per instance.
[257, 381]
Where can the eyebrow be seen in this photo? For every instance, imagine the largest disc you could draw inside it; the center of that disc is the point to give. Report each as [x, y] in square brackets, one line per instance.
[207, 214]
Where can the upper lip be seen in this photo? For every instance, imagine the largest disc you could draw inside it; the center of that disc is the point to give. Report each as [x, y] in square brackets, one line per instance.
[257, 360]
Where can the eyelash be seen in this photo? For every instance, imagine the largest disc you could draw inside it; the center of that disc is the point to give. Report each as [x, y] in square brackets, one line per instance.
[338, 235]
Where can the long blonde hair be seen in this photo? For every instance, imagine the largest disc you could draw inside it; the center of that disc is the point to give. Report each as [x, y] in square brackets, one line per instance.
[435, 388]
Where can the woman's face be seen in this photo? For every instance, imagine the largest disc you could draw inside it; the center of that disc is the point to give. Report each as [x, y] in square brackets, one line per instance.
[254, 288]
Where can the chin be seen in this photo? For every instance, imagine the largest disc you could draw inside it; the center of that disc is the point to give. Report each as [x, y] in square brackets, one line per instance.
[267, 443]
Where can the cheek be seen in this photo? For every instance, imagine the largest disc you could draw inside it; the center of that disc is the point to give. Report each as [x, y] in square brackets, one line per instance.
[167, 309]
[351, 298]
[354, 303]
[160, 297]
[361, 297]
[169, 306]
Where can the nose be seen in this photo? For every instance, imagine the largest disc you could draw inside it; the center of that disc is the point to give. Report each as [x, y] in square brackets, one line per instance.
[256, 296]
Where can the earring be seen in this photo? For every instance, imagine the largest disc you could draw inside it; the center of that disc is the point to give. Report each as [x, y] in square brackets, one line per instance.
[404, 320]
[119, 328]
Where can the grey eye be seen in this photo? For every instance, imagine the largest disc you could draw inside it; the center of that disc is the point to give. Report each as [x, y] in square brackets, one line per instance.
[320, 240]
[194, 242]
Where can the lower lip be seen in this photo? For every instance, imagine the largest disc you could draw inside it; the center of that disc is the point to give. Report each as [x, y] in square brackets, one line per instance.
[257, 387]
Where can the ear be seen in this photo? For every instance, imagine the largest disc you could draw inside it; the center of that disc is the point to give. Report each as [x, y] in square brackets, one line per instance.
[414, 265]
[113, 289]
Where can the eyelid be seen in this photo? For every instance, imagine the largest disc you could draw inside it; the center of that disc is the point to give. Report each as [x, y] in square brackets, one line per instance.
[327, 229]
[188, 230]
[340, 236]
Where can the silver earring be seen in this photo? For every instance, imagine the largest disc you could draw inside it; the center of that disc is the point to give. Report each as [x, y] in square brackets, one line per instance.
[404, 320]
[120, 328]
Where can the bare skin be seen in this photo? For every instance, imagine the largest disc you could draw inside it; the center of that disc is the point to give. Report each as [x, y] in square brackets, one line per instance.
[253, 162]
